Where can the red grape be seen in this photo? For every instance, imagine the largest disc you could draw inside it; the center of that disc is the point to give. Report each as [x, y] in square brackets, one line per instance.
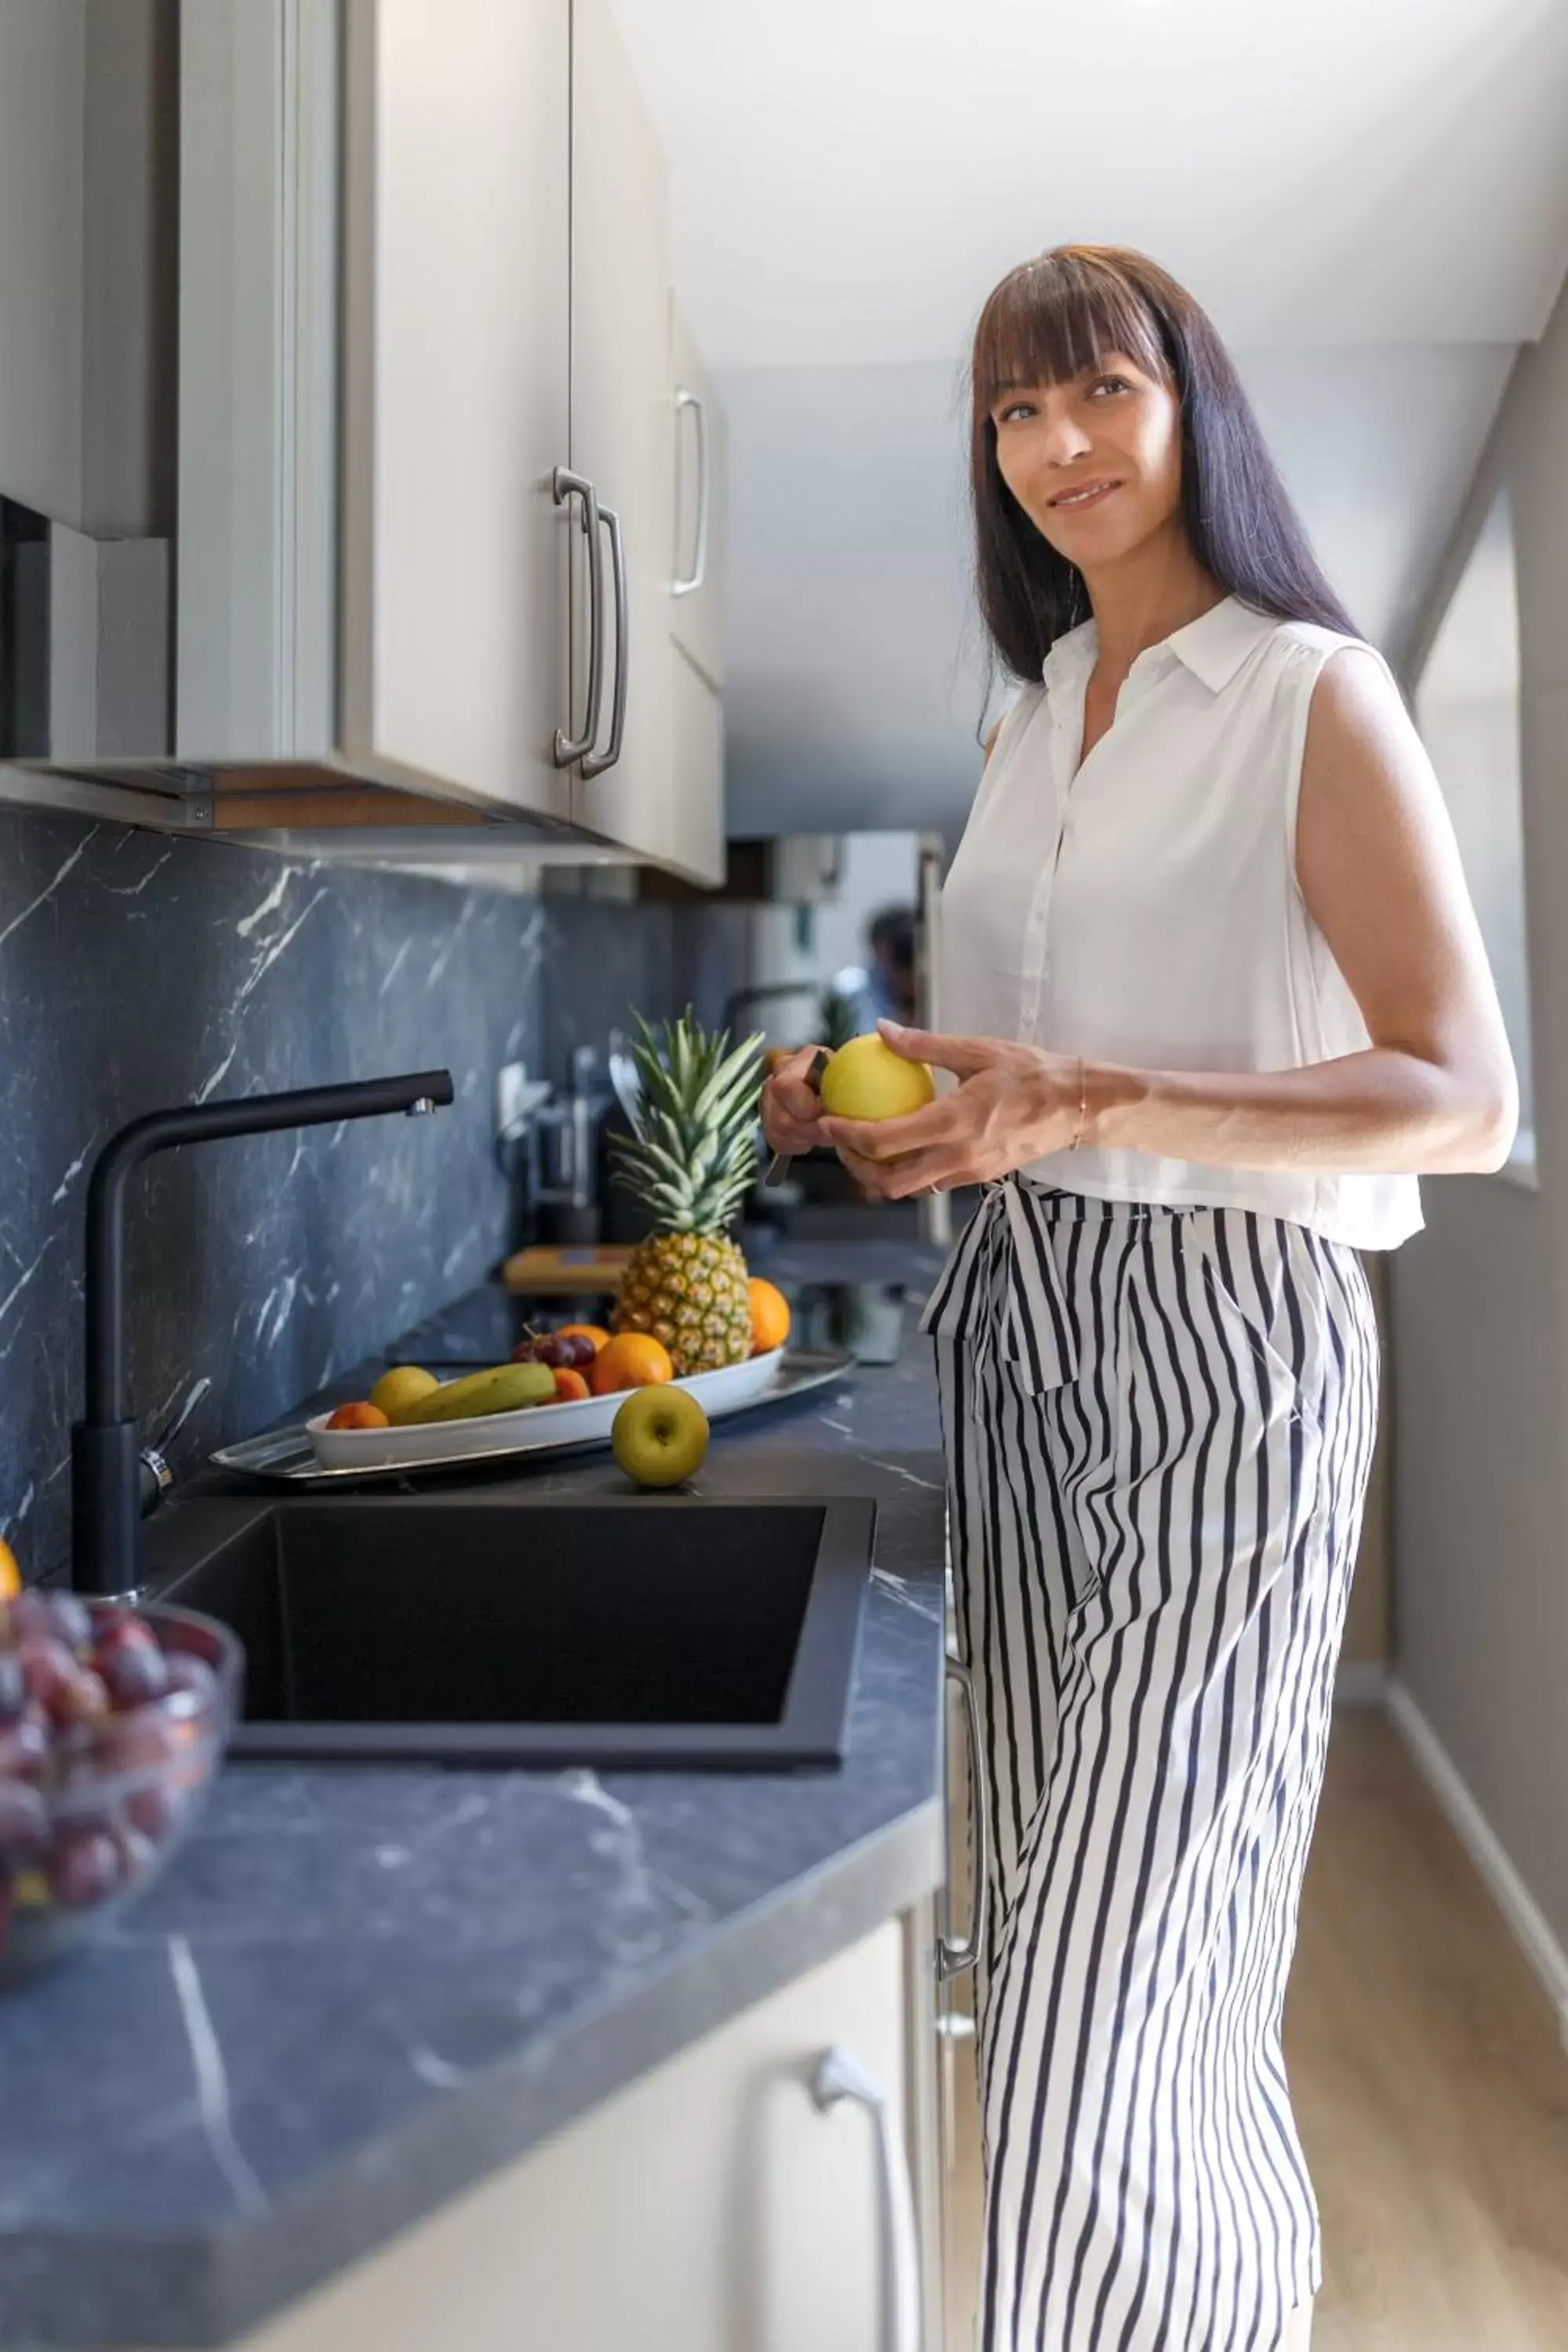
[135, 1742]
[30, 1616]
[83, 1697]
[133, 1670]
[111, 1618]
[48, 1665]
[73, 1622]
[136, 1849]
[24, 1821]
[191, 1678]
[83, 1868]
[25, 1747]
[153, 1809]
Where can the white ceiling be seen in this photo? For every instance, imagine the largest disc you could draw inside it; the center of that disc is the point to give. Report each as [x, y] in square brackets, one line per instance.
[1371, 196]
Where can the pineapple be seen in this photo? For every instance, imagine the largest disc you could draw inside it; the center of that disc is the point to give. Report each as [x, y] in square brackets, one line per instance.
[689, 1161]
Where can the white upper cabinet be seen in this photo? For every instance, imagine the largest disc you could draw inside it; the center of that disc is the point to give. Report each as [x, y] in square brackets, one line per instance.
[457, 306]
[621, 444]
[698, 737]
[702, 479]
[427, 424]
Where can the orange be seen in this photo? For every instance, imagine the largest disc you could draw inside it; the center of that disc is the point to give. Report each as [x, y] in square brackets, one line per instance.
[358, 1416]
[571, 1388]
[633, 1359]
[770, 1316]
[10, 1574]
[594, 1331]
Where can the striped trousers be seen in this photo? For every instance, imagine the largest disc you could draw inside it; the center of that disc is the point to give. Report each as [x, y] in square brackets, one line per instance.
[1158, 1424]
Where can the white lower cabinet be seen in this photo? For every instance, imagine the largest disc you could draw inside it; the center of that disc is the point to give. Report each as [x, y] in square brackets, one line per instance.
[714, 2206]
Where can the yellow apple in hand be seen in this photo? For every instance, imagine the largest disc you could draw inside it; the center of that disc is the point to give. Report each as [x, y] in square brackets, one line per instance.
[659, 1435]
[866, 1079]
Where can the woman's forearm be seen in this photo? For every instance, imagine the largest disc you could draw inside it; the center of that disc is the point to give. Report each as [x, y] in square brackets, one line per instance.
[1384, 1111]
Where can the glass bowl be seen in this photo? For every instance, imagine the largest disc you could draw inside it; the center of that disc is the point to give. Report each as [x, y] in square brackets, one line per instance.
[124, 1716]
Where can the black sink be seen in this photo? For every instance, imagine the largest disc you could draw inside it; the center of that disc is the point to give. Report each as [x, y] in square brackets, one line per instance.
[666, 1632]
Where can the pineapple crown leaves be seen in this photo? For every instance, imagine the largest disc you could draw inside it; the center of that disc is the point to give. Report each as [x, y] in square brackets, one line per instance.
[692, 1150]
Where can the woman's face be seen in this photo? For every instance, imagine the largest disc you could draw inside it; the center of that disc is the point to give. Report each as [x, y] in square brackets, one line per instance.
[1095, 462]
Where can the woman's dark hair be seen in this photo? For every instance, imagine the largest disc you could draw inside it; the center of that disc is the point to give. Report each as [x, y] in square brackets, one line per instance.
[1055, 317]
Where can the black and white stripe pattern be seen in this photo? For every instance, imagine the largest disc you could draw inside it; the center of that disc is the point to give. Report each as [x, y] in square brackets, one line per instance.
[1154, 1513]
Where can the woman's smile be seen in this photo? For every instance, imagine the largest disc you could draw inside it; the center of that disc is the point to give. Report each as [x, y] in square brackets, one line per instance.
[1087, 494]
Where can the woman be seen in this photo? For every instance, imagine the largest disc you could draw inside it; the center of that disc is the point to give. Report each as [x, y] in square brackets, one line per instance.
[1219, 999]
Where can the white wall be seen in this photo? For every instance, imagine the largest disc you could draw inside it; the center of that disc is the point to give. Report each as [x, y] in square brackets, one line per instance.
[856, 674]
[1480, 1300]
[1466, 704]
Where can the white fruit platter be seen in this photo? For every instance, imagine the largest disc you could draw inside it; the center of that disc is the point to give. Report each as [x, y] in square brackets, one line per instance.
[530, 1426]
[314, 1453]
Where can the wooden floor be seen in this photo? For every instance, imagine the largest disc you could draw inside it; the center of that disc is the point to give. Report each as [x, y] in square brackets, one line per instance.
[1430, 2087]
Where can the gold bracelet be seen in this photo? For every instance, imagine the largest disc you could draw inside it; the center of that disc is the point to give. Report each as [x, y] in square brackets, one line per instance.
[1082, 1105]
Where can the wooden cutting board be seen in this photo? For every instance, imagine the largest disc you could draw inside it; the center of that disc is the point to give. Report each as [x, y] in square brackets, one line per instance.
[563, 1271]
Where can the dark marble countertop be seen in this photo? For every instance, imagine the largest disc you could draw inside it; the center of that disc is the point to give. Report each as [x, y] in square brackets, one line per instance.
[357, 1990]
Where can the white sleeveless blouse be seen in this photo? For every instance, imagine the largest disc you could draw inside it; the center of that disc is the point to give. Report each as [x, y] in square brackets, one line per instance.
[1146, 911]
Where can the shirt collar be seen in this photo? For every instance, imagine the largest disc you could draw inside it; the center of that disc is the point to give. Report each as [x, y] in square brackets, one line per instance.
[1214, 645]
[1213, 648]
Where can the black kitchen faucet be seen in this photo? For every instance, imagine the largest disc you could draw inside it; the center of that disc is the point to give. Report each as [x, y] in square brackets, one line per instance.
[106, 1485]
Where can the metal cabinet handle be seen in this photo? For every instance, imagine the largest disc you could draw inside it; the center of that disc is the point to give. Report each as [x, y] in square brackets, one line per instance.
[595, 762]
[568, 485]
[952, 1959]
[693, 400]
[839, 2075]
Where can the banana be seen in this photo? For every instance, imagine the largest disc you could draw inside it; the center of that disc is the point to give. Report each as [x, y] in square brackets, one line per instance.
[502, 1389]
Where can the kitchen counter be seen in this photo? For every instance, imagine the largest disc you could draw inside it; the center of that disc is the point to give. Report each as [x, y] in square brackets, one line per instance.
[357, 1991]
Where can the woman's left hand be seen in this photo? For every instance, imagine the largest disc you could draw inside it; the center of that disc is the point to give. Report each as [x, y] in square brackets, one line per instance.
[1013, 1104]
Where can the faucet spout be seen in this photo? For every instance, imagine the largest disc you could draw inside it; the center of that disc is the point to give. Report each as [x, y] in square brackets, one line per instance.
[106, 1509]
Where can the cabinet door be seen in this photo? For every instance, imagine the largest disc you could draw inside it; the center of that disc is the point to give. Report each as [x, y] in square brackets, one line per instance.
[961, 2190]
[711, 2207]
[699, 780]
[701, 479]
[455, 396]
[622, 435]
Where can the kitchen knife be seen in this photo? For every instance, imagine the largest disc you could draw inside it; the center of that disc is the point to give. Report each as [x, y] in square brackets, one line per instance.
[780, 1164]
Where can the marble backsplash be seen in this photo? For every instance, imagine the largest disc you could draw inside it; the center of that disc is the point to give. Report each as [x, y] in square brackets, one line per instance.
[136, 972]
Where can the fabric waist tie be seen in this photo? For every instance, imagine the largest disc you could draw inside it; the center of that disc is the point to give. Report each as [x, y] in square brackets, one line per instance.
[1002, 1291]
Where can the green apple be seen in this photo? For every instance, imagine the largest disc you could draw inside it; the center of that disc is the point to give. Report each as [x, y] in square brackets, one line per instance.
[659, 1435]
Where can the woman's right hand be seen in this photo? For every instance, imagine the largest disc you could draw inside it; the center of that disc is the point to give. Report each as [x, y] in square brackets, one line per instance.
[792, 1110]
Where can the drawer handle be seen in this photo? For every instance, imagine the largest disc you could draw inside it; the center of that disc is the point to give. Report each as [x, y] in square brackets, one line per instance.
[954, 1959]
[838, 2074]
